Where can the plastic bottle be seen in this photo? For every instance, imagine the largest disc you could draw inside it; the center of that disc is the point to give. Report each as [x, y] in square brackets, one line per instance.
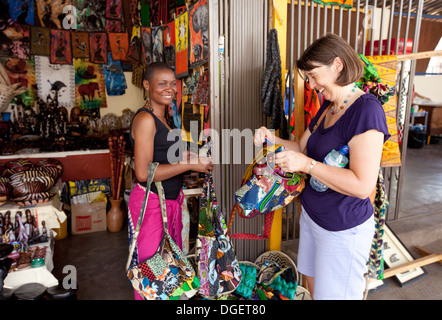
[334, 158]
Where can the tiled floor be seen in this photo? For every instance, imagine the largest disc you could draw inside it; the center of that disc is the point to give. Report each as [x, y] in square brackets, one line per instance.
[100, 258]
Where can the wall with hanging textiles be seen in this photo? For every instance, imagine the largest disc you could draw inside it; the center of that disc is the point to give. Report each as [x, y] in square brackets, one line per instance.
[89, 55]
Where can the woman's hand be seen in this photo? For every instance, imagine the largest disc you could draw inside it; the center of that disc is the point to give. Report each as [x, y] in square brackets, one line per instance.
[204, 164]
[292, 161]
[261, 134]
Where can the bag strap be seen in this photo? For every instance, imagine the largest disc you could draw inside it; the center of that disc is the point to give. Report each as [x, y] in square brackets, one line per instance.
[150, 174]
[248, 236]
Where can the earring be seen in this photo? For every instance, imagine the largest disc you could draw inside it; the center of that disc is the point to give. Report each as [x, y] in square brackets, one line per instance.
[149, 102]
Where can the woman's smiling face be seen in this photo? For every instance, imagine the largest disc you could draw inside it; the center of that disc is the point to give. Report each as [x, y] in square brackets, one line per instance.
[323, 79]
[162, 87]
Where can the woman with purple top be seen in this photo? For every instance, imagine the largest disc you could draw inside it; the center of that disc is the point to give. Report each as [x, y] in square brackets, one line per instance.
[336, 226]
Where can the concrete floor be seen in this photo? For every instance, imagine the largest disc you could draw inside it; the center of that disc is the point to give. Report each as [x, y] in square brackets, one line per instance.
[100, 258]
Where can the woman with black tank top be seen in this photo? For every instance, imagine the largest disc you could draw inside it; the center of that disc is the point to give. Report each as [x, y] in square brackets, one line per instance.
[149, 132]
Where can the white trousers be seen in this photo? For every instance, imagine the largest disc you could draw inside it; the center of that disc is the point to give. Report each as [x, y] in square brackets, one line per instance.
[337, 260]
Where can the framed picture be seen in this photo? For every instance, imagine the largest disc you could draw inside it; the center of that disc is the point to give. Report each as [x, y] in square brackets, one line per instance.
[395, 254]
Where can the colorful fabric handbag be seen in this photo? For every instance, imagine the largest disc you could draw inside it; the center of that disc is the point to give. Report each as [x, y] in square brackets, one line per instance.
[265, 188]
[167, 275]
[218, 268]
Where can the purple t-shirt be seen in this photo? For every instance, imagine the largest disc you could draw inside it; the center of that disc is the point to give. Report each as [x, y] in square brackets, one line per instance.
[332, 210]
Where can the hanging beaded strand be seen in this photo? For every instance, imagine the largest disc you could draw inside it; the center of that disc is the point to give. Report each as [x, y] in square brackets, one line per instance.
[334, 110]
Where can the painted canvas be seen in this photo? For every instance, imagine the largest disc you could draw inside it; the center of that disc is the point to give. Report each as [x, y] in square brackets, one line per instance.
[118, 44]
[55, 81]
[199, 34]
[113, 9]
[23, 72]
[40, 41]
[98, 47]
[80, 44]
[21, 11]
[114, 77]
[61, 52]
[169, 44]
[157, 42]
[91, 14]
[146, 40]
[89, 87]
[50, 13]
[182, 45]
[15, 42]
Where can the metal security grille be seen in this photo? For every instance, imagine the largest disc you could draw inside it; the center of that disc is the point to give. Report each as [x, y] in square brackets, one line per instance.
[238, 31]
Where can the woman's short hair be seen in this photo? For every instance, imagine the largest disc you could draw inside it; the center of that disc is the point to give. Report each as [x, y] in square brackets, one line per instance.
[324, 51]
[154, 67]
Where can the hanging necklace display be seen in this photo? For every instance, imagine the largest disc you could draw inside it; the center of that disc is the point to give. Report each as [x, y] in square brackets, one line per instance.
[335, 109]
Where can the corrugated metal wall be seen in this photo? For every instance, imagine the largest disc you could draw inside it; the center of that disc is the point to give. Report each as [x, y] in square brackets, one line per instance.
[236, 83]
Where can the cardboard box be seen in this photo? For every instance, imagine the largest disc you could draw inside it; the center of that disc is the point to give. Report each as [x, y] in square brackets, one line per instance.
[88, 217]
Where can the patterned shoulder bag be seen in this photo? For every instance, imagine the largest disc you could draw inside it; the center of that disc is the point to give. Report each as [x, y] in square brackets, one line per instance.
[167, 275]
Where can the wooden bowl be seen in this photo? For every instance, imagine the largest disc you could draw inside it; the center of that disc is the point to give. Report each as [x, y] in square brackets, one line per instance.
[26, 188]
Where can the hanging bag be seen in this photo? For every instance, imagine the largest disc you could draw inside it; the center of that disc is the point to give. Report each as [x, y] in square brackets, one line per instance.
[167, 275]
[218, 268]
[264, 189]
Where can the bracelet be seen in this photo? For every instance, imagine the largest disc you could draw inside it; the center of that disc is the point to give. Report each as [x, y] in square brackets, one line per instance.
[312, 166]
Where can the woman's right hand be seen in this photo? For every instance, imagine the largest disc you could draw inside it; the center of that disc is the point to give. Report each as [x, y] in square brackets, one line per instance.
[260, 136]
[204, 164]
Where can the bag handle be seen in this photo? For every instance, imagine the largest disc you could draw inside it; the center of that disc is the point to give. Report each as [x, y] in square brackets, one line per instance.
[150, 174]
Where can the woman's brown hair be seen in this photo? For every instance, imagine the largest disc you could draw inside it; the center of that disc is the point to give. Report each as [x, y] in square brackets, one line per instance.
[324, 51]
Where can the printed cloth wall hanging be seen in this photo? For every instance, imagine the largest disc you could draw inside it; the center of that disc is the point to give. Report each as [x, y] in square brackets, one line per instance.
[114, 77]
[154, 14]
[114, 25]
[182, 45]
[61, 51]
[23, 72]
[218, 268]
[174, 108]
[80, 45]
[311, 107]
[385, 66]
[271, 92]
[55, 81]
[192, 120]
[91, 14]
[157, 44]
[145, 12]
[90, 88]
[199, 34]
[98, 47]
[202, 89]
[113, 9]
[15, 42]
[21, 12]
[169, 44]
[190, 82]
[49, 13]
[119, 44]
[146, 40]
[40, 41]
[346, 4]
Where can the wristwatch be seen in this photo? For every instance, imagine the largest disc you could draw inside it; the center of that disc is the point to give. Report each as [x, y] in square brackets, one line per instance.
[312, 165]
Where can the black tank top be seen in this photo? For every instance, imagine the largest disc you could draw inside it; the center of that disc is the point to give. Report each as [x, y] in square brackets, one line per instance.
[172, 186]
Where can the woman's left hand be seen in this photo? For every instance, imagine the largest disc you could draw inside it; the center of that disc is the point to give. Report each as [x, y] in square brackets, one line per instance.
[291, 161]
